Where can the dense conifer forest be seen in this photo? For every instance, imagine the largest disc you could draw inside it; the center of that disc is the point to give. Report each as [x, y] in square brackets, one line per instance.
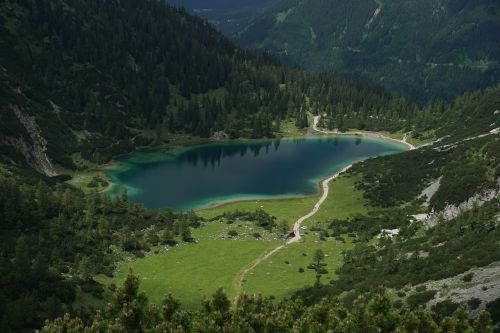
[129, 312]
[111, 76]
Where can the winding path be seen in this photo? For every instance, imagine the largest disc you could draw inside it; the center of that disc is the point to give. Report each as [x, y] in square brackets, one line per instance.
[240, 278]
[317, 206]
[296, 229]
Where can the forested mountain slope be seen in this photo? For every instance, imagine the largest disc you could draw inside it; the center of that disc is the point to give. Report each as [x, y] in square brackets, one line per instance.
[88, 80]
[424, 49]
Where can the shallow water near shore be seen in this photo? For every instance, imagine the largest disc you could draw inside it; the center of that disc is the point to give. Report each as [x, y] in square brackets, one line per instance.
[199, 176]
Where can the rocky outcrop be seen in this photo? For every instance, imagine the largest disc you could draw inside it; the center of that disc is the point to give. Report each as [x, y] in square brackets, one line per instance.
[452, 211]
[484, 286]
[220, 136]
[35, 152]
[429, 192]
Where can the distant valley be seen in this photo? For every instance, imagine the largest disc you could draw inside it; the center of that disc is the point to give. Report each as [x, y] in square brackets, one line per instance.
[228, 16]
[422, 49]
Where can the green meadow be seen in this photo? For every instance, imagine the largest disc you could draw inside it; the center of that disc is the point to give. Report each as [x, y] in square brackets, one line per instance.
[192, 271]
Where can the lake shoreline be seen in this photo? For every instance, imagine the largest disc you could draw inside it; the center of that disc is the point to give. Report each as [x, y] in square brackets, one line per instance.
[370, 134]
[115, 163]
[319, 192]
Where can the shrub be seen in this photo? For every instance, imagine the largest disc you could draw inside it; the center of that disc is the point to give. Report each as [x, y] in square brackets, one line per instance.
[444, 309]
[139, 253]
[63, 178]
[93, 183]
[256, 235]
[322, 270]
[398, 304]
[421, 288]
[494, 309]
[418, 299]
[232, 233]
[171, 242]
[468, 277]
[474, 303]
[301, 269]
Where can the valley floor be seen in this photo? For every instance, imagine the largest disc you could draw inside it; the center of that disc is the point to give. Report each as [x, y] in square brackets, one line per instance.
[267, 265]
[194, 271]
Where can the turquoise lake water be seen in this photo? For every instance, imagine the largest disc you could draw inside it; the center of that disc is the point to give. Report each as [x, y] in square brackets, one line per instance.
[199, 176]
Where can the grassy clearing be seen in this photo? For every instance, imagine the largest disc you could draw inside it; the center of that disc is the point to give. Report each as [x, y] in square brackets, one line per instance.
[427, 138]
[84, 299]
[82, 180]
[194, 271]
[288, 129]
[343, 200]
[279, 275]
[394, 135]
[420, 142]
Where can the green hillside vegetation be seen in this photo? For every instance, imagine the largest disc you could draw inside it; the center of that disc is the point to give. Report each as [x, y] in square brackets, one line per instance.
[55, 239]
[468, 168]
[419, 253]
[424, 49]
[130, 312]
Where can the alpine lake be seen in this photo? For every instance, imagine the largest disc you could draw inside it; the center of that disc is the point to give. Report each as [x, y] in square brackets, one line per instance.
[200, 176]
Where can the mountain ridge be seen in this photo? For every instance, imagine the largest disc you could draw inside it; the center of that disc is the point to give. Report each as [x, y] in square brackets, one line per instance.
[423, 50]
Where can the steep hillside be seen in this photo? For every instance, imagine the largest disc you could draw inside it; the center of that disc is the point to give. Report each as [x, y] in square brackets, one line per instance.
[434, 237]
[89, 80]
[424, 49]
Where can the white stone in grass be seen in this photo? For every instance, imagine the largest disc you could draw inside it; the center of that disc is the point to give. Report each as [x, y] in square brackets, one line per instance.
[388, 233]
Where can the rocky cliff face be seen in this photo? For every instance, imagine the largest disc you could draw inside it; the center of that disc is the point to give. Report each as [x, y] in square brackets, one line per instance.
[452, 211]
[34, 151]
